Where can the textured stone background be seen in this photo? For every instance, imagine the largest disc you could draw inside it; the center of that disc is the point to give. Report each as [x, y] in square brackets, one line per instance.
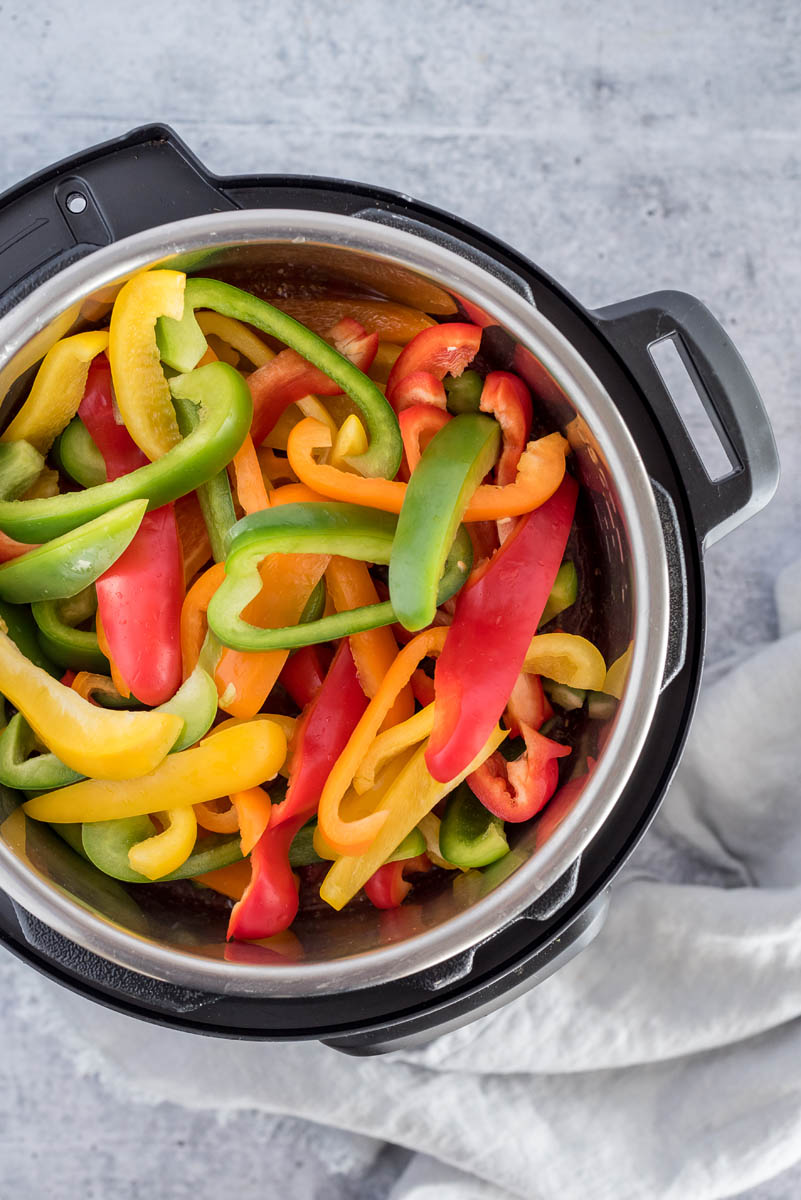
[624, 147]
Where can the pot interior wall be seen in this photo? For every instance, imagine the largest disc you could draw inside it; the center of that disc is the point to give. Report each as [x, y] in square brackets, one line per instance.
[192, 919]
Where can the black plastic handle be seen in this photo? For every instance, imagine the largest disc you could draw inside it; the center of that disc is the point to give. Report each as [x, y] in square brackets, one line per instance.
[146, 178]
[726, 390]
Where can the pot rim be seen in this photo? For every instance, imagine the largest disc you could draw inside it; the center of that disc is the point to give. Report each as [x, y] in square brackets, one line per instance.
[517, 314]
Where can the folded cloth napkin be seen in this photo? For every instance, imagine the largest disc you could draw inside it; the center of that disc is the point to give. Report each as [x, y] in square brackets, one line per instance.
[664, 1061]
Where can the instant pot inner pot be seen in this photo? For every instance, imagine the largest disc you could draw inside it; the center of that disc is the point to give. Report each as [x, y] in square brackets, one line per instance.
[192, 920]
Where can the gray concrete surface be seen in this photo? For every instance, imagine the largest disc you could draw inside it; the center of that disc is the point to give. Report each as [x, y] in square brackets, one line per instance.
[624, 147]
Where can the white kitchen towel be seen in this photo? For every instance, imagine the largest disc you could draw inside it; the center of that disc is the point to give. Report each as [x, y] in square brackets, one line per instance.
[664, 1061]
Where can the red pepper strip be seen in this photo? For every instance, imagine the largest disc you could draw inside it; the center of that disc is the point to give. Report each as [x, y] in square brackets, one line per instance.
[387, 888]
[515, 791]
[303, 673]
[139, 598]
[440, 350]
[10, 549]
[508, 399]
[484, 536]
[321, 735]
[270, 901]
[497, 613]
[289, 377]
[68, 678]
[527, 705]
[418, 425]
[421, 387]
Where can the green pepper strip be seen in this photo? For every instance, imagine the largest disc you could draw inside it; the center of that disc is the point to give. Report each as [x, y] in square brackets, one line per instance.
[470, 836]
[383, 455]
[452, 466]
[77, 649]
[226, 412]
[71, 562]
[107, 844]
[347, 529]
[77, 455]
[216, 501]
[195, 701]
[20, 466]
[22, 631]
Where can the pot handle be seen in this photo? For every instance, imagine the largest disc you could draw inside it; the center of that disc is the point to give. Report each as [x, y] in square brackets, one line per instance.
[146, 178]
[726, 390]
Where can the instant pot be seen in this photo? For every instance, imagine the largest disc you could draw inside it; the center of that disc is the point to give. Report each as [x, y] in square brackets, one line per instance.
[366, 981]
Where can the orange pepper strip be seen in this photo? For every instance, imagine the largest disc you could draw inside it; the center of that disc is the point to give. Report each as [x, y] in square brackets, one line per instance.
[193, 615]
[217, 820]
[539, 473]
[229, 881]
[192, 534]
[254, 809]
[350, 586]
[250, 488]
[245, 678]
[119, 682]
[355, 837]
[273, 468]
[295, 493]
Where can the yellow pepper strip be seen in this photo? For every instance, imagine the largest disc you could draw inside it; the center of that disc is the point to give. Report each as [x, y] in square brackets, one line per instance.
[617, 674]
[355, 806]
[230, 761]
[391, 742]
[350, 439]
[143, 396]
[283, 722]
[308, 406]
[37, 347]
[413, 794]
[354, 837]
[295, 493]
[349, 586]
[235, 334]
[156, 856]
[99, 742]
[539, 473]
[245, 678]
[116, 675]
[216, 820]
[566, 658]
[384, 361]
[57, 390]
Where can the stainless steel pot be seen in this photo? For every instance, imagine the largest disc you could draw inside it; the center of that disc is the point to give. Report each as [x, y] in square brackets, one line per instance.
[637, 527]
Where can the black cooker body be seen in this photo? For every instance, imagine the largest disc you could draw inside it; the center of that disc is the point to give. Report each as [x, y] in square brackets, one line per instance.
[149, 178]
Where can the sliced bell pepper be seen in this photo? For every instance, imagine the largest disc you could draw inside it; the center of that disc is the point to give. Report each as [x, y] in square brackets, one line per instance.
[321, 735]
[270, 902]
[387, 887]
[235, 334]
[507, 398]
[413, 794]
[527, 705]
[350, 587]
[139, 598]
[470, 836]
[10, 549]
[65, 645]
[343, 529]
[193, 535]
[422, 686]
[77, 455]
[18, 769]
[496, 616]
[383, 456]
[227, 761]
[226, 409]
[21, 628]
[214, 496]
[352, 837]
[410, 732]
[68, 564]
[351, 440]
[442, 350]
[391, 322]
[107, 845]
[463, 392]
[167, 850]
[540, 471]
[418, 425]
[217, 819]
[140, 387]
[250, 490]
[93, 741]
[421, 387]
[303, 673]
[453, 464]
[193, 615]
[57, 390]
[516, 791]
[563, 593]
[20, 467]
[254, 811]
[566, 658]
[618, 673]
[385, 358]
